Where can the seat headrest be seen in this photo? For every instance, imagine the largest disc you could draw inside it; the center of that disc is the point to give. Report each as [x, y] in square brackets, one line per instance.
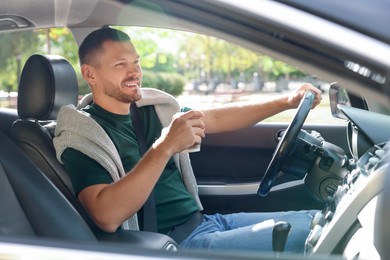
[47, 83]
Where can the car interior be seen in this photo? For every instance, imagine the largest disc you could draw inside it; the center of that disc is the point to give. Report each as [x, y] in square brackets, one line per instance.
[342, 170]
[39, 177]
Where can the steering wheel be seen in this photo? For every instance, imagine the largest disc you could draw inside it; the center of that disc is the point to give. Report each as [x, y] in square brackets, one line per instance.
[285, 145]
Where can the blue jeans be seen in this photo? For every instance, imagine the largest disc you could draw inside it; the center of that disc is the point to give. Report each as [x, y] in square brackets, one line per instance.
[249, 231]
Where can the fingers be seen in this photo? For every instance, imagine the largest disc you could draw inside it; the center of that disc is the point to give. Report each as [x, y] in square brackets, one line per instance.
[198, 131]
[318, 97]
[309, 87]
[193, 119]
[185, 130]
[192, 114]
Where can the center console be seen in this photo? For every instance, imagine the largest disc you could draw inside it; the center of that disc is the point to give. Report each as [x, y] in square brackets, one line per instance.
[349, 215]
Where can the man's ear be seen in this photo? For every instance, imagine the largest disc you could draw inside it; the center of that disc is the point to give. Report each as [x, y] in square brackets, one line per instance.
[88, 74]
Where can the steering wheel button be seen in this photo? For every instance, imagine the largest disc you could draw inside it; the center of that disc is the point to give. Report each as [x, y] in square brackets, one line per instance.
[318, 219]
[314, 235]
[380, 153]
[329, 216]
[373, 160]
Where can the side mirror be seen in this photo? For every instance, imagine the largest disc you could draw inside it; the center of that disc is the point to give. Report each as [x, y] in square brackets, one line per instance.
[338, 96]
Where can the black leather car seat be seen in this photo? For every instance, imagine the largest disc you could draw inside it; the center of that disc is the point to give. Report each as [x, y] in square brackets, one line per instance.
[47, 83]
[30, 206]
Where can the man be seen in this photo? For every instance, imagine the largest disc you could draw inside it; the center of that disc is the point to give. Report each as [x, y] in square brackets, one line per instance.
[100, 151]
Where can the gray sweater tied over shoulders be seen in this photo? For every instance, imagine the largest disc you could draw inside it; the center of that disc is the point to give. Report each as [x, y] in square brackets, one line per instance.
[76, 129]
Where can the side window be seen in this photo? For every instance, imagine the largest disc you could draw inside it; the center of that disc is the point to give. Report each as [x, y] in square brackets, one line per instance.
[204, 71]
[17, 47]
[201, 71]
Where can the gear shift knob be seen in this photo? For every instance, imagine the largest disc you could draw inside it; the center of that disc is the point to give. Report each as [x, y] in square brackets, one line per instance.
[279, 236]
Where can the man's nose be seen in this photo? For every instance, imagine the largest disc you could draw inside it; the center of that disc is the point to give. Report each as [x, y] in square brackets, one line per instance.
[134, 69]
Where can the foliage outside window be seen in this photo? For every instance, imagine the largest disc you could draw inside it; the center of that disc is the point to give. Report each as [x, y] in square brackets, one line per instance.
[181, 63]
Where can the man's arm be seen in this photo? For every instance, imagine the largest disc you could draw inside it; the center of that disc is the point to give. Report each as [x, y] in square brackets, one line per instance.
[111, 204]
[240, 115]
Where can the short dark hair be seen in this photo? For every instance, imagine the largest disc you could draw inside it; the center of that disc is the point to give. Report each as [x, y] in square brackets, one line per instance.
[92, 44]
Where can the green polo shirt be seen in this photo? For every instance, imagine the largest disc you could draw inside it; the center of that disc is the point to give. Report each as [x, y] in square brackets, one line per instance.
[174, 205]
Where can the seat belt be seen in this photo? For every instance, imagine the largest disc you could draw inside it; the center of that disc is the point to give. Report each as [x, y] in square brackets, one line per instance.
[147, 217]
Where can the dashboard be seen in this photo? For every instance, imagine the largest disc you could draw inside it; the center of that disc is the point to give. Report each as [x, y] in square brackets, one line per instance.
[346, 225]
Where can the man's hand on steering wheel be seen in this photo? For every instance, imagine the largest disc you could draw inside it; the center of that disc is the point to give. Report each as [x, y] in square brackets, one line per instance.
[295, 98]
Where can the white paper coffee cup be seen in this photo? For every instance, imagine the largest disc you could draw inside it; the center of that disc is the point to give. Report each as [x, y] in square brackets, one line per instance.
[194, 148]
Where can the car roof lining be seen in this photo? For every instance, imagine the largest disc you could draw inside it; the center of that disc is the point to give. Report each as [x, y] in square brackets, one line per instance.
[48, 13]
[377, 26]
[57, 12]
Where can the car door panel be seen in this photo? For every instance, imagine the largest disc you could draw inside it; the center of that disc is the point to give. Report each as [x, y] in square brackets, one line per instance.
[230, 166]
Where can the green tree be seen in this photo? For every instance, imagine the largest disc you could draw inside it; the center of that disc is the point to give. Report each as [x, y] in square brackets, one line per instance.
[60, 41]
[203, 58]
[209, 58]
[152, 46]
[16, 48]
[277, 69]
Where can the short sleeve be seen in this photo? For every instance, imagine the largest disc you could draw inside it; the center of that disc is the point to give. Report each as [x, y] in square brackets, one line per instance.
[83, 171]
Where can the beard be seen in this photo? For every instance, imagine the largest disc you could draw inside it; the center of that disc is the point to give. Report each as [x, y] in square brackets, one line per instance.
[117, 93]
